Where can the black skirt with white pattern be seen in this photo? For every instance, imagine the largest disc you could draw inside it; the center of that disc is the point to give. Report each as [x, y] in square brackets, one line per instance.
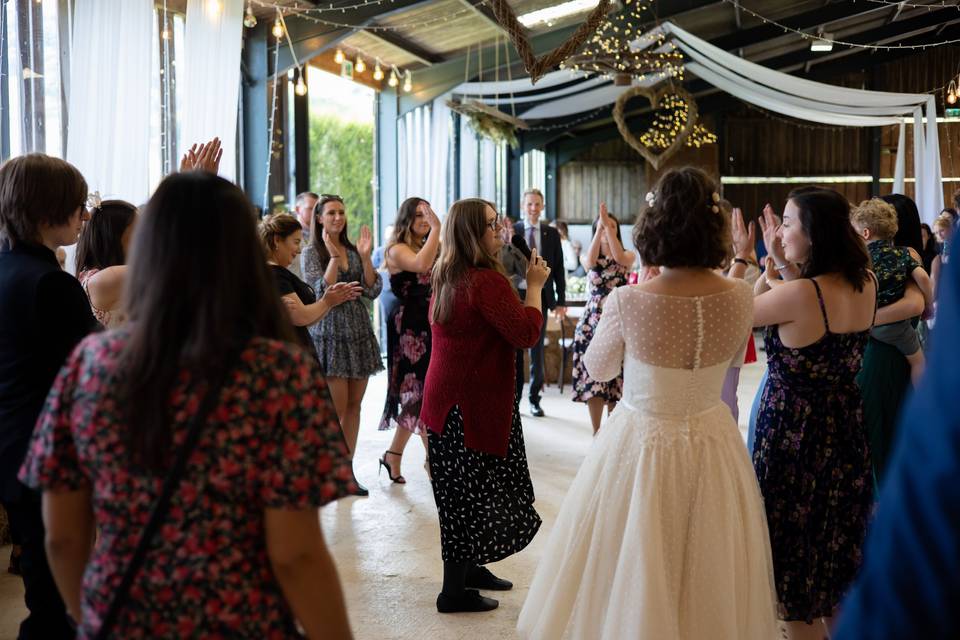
[485, 502]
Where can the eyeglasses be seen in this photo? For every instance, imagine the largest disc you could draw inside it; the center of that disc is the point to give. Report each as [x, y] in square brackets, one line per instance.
[495, 223]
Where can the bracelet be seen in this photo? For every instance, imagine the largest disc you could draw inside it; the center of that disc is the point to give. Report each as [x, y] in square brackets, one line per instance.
[741, 261]
[781, 267]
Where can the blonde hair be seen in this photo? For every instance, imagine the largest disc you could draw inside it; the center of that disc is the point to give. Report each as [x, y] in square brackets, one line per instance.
[274, 228]
[943, 221]
[876, 215]
[532, 192]
[461, 249]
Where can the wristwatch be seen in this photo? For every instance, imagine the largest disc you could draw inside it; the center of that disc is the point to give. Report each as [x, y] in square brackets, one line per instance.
[741, 261]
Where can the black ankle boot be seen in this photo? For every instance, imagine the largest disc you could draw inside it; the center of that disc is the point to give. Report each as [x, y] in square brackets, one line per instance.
[469, 601]
[479, 577]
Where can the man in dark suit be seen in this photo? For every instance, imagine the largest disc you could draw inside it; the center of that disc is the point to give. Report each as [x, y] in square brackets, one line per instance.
[546, 240]
[910, 580]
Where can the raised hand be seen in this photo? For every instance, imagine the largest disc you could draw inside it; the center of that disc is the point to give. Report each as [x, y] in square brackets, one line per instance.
[648, 273]
[341, 292]
[328, 243]
[744, 236]
[537, 270]
[365, 242]
[606, 222]
[429, 216]
[205, 157]
[769, 226]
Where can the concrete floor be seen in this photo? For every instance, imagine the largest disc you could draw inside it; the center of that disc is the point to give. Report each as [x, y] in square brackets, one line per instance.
[387, 546]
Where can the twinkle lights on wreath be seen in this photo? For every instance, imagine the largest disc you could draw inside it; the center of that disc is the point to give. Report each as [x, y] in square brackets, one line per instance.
[621, 51]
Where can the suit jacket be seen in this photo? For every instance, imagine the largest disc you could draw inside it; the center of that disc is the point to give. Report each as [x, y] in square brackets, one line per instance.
[910, 579]
[550, 249]
[44, 313]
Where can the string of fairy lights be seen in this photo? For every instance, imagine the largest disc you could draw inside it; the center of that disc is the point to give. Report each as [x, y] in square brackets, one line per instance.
[359, 61]
[612, 51]
[843, 43]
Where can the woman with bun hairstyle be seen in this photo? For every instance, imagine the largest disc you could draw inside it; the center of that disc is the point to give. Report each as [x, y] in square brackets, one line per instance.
[280, 235]
[662, 534]
[102, 256]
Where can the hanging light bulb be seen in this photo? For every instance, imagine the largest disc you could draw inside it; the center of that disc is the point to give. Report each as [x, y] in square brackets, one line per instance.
[249, 20]
[165, 34]
[213, 8]
[301, 87]
[277, 30]
[408, 82]
[952, 93]
[339, 57]
[360, 66]
[377, 71]
[393, 79]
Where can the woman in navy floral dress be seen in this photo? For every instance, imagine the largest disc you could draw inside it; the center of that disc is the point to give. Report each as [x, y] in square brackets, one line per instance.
[410, 255]
[240, 553]
[607, 263]
[811, 455]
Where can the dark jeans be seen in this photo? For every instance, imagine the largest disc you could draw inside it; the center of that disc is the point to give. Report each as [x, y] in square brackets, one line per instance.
[536, 364]
[47, 616]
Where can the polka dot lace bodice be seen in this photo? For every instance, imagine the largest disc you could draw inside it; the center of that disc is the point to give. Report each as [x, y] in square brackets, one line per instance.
[674, 350]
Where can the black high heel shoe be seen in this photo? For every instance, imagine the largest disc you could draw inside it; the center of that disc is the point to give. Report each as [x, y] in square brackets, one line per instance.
[399, 479]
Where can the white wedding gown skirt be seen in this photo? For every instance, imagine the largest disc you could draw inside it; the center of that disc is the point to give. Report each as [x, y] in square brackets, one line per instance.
[662, 536]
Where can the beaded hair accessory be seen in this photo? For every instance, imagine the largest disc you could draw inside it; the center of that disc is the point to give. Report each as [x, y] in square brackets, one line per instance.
[716, 202]
[94, 201]
[650, 198]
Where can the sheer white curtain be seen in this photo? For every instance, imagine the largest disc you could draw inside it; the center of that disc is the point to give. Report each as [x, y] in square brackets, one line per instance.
[819, 102]
[109, 107]
[478, 164]
[211, 77]
[423, 136]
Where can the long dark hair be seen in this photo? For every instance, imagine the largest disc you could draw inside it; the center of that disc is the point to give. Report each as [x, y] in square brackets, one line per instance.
[908, 222]
[100, 243]
[198, 290]
[403, 225]
[316, 230]
[835, 246]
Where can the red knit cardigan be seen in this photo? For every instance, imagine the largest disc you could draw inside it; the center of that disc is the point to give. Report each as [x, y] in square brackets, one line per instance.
[472, 360]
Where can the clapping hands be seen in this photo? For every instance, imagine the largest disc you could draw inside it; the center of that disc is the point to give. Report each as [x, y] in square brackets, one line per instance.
[769, 226]
[206, 157]
[744, 236]
[365, 242]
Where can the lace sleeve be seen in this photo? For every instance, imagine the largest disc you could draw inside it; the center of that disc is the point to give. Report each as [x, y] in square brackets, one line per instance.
[499, 305]
[604, 356]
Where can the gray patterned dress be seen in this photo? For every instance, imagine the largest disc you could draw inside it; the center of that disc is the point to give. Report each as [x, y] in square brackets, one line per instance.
[346, 344]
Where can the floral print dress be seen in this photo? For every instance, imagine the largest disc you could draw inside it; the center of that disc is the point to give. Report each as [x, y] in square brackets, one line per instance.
[344, 338]
[605, 276]
[273, 442]
[408, 351]
[812, 461]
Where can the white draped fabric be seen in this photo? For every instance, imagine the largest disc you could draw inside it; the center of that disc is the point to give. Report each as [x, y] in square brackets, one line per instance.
[211, 77]
[829, 104]
[109, 106]
[423, 137]
[478, 165]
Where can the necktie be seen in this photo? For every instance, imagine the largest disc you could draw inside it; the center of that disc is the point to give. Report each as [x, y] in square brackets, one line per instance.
[531, 238]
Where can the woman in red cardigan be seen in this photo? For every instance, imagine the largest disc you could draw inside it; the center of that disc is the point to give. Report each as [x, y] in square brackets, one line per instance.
[481, 482]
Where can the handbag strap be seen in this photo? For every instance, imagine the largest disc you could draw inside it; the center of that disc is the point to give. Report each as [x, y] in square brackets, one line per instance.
[162, 506]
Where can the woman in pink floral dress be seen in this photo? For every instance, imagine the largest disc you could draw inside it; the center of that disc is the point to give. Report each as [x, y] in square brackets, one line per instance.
[410, 255]
[607, 264]
[239, 553]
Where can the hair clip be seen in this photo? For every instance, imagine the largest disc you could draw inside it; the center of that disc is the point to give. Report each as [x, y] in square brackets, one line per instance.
[94, 201]
[651, 198]
[716, 201]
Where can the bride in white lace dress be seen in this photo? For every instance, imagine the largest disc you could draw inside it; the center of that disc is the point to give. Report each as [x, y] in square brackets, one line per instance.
[662, 534]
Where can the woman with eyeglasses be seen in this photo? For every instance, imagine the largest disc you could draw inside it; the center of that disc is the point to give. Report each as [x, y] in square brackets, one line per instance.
[478, 464]
[346, 344]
